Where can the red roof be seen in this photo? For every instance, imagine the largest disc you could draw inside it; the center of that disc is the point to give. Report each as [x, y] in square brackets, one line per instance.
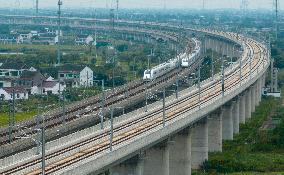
[17, 89]
[49, 84]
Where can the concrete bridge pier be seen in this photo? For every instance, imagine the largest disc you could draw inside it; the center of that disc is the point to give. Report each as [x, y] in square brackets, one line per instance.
[257, 96]
[253, 97]
[242, 108]
[156, 161]
[215, 131]
[236, 116]
[199, 144]
[180, 154]
[127, 167]
[227, 121]
[248, 103]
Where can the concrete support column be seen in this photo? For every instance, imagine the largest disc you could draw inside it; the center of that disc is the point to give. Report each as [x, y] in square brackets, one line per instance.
[199, 144]
[257, 93]
[156, 160]
[123, 168]
[180, 154]
[140, 164]
[248, 103]
[253, 98]
[236, 116]
[215, 131]
[260, 90]
[227, 122]
[166, 158]
[242, 108]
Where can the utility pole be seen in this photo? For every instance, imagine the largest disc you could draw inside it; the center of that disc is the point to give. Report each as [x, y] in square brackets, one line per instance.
[36, 7]
[199, 86]
[117, 6]
[164, 107]
[13, 102]
[111, 129]
[240, 71]
[212, 65]
[223, 76]
[276, 18]
[10, 122]
[43, 149]
[244, 6]
[203, 5]
[146, 98]
[103, 104]
[58, 33]
[165, 5]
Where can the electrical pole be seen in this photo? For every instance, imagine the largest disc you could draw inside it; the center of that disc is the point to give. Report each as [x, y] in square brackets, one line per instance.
[117, 6]
[43, 149]
[212, 65]
[276, 18]
[13, 114]
[164, 107]
[223, 76]
[111, 129]
[199, 85]
[103, 104]
[36, 7]
[244, 6]
[10, 122]
[146, 98]
[58, 33]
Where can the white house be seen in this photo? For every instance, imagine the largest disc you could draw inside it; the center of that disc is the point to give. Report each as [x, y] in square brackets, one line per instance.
[6, 93]
[89, 40]
[76, 75]
[86, 77]
[52, 87]
[13, 69]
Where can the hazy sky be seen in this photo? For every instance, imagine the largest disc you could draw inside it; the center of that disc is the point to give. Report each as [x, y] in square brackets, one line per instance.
[209, 4]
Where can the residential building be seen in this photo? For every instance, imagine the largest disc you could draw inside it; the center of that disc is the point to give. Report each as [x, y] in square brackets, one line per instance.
[75, 75]
[52, 87]
[6, 93]
[13, 69]
[30, 80]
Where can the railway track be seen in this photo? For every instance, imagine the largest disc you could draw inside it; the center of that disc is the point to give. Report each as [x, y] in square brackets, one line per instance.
[128, 131]
[56, 118]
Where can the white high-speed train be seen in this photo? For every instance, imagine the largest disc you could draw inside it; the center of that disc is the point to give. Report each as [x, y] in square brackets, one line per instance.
[184, 59]
[195, 54]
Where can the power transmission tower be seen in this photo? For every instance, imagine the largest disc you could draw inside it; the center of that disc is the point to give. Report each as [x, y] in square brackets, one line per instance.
[276, 18]
[36, 7]
[244, 6]
[117, 6]
[165, 4]
[58, 33]
[203, 4]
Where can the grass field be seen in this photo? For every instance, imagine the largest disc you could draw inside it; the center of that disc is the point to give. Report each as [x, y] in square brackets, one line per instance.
[20, 116]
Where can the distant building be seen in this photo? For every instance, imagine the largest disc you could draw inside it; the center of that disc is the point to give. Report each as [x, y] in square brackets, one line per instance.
[6, 82]
[31, 81]
[13, 69]
[76, 75]
[6, 93]
[52, 87]
[84, 40]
